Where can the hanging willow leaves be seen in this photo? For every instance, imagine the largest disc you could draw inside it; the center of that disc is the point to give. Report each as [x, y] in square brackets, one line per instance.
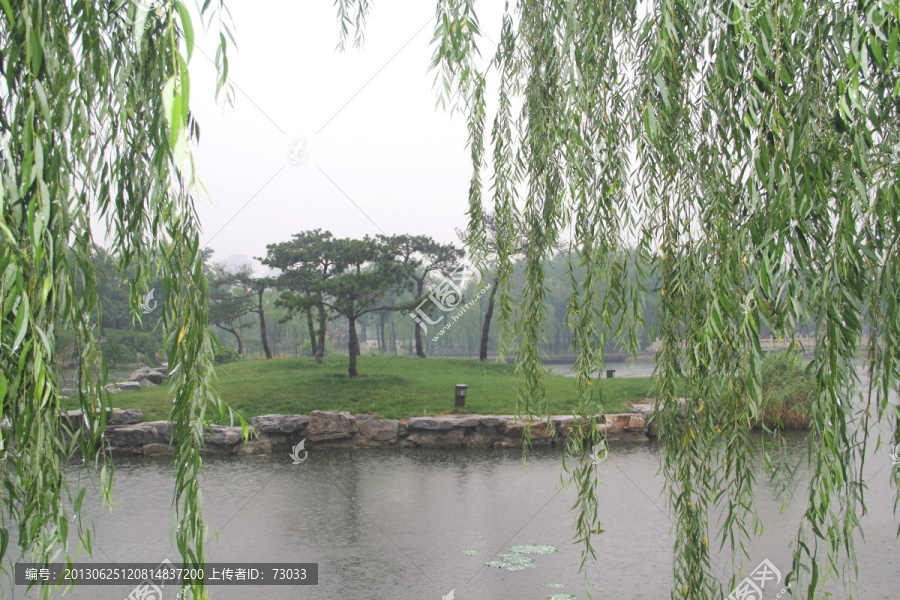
[94, 125]
[745, 157]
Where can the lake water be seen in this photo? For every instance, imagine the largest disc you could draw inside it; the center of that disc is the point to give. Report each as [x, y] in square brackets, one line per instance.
[642, 368]
[395, 524]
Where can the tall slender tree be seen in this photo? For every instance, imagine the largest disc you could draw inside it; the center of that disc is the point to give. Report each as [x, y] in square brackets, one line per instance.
[421, 256]
[366, 277]
[307, 262]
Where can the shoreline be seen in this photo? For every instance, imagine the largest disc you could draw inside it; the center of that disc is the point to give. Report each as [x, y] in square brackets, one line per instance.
[127, 433]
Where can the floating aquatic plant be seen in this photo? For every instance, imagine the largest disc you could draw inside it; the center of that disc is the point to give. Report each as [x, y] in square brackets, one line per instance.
[555, 585]
[511, 562]
[534, 549]
[561, 597]
[471, 552]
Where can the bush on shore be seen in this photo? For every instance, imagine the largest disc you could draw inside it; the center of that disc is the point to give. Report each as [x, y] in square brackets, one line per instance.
[787, 391]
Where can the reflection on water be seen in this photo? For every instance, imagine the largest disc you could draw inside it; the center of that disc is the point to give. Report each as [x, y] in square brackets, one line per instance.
[406, 524]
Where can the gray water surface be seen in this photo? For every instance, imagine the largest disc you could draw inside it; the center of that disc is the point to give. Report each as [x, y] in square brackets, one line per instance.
[395, 523]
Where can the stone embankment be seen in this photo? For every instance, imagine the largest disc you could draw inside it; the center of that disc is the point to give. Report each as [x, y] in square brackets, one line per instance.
[126, 432]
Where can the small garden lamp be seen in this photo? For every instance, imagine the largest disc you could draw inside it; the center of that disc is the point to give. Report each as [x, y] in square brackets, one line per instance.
[460, 395]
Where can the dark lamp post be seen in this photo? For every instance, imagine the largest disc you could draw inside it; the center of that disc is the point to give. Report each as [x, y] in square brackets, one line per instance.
[461, 395]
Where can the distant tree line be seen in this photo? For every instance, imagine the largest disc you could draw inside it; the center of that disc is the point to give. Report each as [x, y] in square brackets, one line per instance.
[324, 292]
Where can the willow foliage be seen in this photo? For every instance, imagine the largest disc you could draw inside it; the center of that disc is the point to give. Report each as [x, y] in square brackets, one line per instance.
[94, 126]
[745, 155]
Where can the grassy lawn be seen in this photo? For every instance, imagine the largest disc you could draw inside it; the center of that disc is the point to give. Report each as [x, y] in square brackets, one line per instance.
[390, 387]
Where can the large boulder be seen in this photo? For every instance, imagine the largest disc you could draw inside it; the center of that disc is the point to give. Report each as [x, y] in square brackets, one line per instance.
[379, 430]
[616, 424]
[489, 421]
[331, 425]
[136, 434]
[429, 424]
[147, 374]
[123, 386]
[117, 416]
[433, 438]
[222, 435]
[157, 450]
[565, 424]
[279, 424]
[515, 428]
[262, 446]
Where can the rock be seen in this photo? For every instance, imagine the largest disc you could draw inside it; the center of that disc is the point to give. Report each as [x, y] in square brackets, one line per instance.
[489, 421]
[616, 424]
[146, 383]
[652, 428]
[429, 424]
[429, 438]
[402, 431]
[511, 427]
[222, 436]
[124, 386]
[466, 422]
[261, 446]
[480, 438]
[127, 416]
[331, 425]
[116, 416]
[268, 424]
[644, 409]
[380, 430]
[146, 373]
[565, 423]
[137, 434]
[636, 423]
[157, 450]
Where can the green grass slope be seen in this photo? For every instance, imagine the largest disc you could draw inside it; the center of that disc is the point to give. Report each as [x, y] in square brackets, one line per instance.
[392, 387]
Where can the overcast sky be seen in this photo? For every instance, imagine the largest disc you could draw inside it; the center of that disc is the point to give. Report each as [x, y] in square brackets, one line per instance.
[381, 156]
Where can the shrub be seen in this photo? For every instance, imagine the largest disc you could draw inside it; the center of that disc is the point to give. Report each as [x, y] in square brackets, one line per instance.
[787, 391]
[226, 355]
[126, 346]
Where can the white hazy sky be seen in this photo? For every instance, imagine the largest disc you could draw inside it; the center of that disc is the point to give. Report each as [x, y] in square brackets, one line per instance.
[382, 158]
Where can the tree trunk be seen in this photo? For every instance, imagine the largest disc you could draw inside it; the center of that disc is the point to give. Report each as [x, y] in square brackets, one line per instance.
[420, 350]
[354, 348]
[486, 328]
[323, 319]
[381, 339]
[263, 334]
[240, 340]
[393, 337]
[313, 344]
[365, 333]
